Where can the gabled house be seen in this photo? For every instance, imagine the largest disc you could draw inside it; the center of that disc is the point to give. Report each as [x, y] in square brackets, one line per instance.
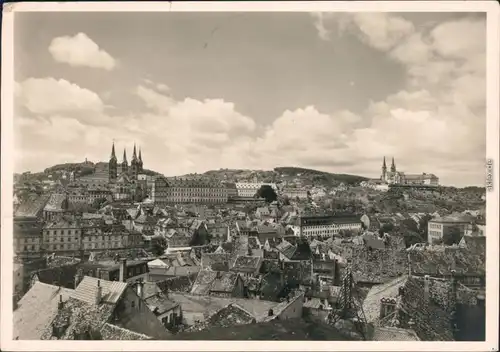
[218, 283]
[247, 265]
[405, 303]
[84, 313]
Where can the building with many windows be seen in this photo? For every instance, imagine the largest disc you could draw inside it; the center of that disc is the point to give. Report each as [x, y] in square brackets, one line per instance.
[249, 189]
[438, 228]
[294, 193]
[324, 226]
[177, 190]
[62, 235]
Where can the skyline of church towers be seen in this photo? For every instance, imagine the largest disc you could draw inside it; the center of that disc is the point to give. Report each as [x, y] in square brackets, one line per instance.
[136, 164]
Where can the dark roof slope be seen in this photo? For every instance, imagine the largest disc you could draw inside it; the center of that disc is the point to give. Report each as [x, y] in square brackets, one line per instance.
[291, 329]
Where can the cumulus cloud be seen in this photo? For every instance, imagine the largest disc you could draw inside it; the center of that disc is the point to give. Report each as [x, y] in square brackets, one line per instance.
[436, 123]
[49, 95]
[80, 51]
[440, 117]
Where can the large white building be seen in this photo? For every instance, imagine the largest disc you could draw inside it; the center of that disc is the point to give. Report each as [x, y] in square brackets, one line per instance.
[249, 189]
[177, 190]
[294, 193]
[397, 177]
[325, 226]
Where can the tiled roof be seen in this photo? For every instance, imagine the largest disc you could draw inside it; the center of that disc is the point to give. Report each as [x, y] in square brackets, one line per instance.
[432, 323]
[63, 224]
[160, 304]
[303, 251]
[271, 254]
[286, 248]
[36, 310]
[182, 270]
[31, 207]
[247, 263]
[203, 306]
[270, 265]
[225, 282]
[253, 242]
[203, 282]
[371, 304]
[287, 330]
[393, 334]
[230, 315]
[177, 284]
[378, 265]
[111, 290]
[56, 202]
[217, 281]
[77, 317]
[215, 261]
[463, 261]
[113, 332]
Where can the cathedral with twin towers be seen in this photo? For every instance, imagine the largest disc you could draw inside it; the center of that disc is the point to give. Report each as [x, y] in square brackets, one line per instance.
[131, 171]
[393, 176]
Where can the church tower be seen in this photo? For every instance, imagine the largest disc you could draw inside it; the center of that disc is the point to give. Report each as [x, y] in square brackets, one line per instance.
[384, 170]
[393, 166]
[140, 161]
[134, 165]
[124, 162]
[113, 165]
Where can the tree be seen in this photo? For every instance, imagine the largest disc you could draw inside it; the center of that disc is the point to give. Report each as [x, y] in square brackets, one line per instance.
[98, 202]
[286, 200]
[453, 236]
[267, 192]
[158, 246]
[386, 228]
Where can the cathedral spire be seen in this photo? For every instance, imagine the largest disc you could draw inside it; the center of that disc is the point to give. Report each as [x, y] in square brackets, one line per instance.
[113, 155]
[384, 165]
[140, 156]
[393, 166]
[134, 154]
[124, 155]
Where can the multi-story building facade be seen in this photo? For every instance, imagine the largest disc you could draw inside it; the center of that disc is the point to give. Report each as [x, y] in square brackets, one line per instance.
[249, 189]
[27, 227]
[171, 191]
[438, 228]
[70, 235]
[97, 235]
[232, 191]
[325, 226]
[294, 193]
[64, 235]
[27, 238]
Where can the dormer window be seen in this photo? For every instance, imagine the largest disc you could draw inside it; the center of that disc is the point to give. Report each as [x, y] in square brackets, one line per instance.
[387, 307]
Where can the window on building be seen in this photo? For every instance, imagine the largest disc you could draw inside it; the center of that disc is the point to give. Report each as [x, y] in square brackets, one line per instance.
[387, 307]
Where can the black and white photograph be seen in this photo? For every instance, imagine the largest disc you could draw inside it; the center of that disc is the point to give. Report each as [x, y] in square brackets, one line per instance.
[254, 172]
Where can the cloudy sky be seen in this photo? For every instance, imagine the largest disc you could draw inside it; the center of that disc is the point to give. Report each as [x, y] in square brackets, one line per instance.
[200, 91]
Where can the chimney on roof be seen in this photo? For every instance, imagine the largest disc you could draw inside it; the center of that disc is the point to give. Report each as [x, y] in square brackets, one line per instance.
[98, 293]
[123, 270]
[60, 304]
[78, 278]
